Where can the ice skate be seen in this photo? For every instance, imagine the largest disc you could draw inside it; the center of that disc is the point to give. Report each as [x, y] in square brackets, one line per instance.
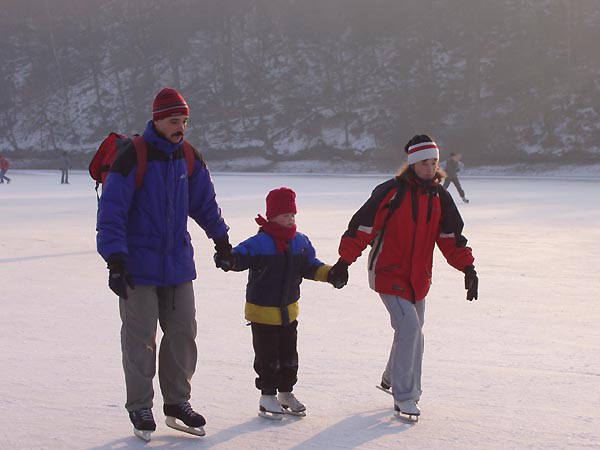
[385, 387]
[183, 418]
[407, 409]
[291, 405]
[465, 199]
[143, 423]
[269, 407]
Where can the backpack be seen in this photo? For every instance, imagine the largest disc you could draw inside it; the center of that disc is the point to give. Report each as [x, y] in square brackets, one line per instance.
[107, 153]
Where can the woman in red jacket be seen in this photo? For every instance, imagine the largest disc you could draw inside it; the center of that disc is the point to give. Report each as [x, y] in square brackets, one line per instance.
[403, 220]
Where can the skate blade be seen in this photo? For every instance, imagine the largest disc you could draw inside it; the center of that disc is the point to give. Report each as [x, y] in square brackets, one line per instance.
[270, 415]
[387, 391]
[172, 423]
[412, 418]
[287, 410]
[144, 435]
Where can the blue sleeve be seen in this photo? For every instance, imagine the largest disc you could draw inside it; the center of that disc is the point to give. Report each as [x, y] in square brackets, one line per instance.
[113, 212]
[203, 203]
[245, 252]
[312, 262]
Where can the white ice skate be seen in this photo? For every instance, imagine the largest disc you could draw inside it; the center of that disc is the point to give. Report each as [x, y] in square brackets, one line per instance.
[269, 408]
[291, 404]
[407, 409]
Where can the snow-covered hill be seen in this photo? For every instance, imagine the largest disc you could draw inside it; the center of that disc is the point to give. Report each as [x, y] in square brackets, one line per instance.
[503, 82]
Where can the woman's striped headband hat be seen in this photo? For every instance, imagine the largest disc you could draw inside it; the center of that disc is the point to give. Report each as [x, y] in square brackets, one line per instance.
[422, 151]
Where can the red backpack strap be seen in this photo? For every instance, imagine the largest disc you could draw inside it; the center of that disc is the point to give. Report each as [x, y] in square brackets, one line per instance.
[190, 155]
[141, 152]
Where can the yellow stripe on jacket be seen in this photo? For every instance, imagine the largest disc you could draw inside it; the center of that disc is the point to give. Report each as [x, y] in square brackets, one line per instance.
[271, 315]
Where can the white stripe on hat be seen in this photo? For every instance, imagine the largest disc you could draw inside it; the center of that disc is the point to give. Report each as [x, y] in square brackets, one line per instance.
[179, 106]
[422, 151]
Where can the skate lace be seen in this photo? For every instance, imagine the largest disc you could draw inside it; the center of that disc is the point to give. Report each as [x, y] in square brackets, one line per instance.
[187, 409]
[145, 414]
[293, 402]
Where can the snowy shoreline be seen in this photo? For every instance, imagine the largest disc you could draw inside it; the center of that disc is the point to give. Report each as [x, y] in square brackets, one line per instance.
[318, 169]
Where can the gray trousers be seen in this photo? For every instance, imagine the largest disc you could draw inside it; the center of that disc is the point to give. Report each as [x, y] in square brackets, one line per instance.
[456, 182]
[174, 308]
[403, 369]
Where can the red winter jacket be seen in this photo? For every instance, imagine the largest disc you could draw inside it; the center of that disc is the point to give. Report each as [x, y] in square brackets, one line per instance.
[401, 263]
[4, 165]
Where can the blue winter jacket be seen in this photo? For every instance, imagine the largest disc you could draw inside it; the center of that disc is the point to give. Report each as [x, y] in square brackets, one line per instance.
[274, 279]
[149, 225]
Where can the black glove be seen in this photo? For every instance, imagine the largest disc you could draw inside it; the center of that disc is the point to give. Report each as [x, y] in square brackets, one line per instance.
[224, 256]
[471, 282]
[118, 277]
[338, 274]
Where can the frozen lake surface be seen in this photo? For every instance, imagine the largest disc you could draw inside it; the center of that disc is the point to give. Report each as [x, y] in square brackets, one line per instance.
[520, 368]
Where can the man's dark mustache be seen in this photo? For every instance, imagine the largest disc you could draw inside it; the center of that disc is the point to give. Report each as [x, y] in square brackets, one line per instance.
[179, 133]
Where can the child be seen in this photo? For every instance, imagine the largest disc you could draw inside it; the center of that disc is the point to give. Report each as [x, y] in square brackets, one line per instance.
[278, 257]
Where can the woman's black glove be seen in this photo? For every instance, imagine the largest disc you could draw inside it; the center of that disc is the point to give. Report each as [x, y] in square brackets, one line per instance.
[118, 276]
[471, 282]
[338, 274]
[224, 256]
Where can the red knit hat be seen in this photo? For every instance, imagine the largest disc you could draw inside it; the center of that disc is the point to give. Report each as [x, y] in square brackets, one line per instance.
[168, 102]
[281, 201]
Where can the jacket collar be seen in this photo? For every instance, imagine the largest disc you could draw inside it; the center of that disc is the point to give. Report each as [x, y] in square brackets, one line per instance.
[151, 137]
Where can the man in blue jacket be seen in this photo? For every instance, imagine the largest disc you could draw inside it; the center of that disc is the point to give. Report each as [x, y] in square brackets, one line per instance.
[142, 235]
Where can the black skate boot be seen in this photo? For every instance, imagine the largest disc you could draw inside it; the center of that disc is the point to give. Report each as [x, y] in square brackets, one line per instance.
[192, 422]
[143, 423]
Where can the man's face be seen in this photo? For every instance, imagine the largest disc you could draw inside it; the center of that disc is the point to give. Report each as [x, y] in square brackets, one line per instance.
[172, 128]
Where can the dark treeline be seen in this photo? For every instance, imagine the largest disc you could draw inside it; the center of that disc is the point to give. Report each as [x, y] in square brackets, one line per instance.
[502, 81]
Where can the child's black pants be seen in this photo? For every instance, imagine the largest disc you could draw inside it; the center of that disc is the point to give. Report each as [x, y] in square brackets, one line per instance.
[275, 357]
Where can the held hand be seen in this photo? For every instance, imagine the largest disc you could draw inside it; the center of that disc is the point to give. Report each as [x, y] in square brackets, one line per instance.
[225, 261]
[338, 274]
[471, 282]
[224, 255]
[118, 276]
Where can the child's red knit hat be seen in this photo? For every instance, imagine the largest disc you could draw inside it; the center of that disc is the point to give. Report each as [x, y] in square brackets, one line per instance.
[281, 201]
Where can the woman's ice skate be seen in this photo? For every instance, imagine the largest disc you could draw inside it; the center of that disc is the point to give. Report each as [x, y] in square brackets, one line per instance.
[407, 410]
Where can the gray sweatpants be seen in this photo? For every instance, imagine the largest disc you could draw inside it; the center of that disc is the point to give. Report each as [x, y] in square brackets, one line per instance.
[403, 369]
[174, 308]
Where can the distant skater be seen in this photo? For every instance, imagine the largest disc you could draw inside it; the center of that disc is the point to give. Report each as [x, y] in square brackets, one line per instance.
[4, 165]
[65, 165]
[452, 166]
[278, 258]
[403, 220]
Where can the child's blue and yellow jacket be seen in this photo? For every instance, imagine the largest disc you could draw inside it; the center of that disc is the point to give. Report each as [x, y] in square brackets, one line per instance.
[274, 279]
